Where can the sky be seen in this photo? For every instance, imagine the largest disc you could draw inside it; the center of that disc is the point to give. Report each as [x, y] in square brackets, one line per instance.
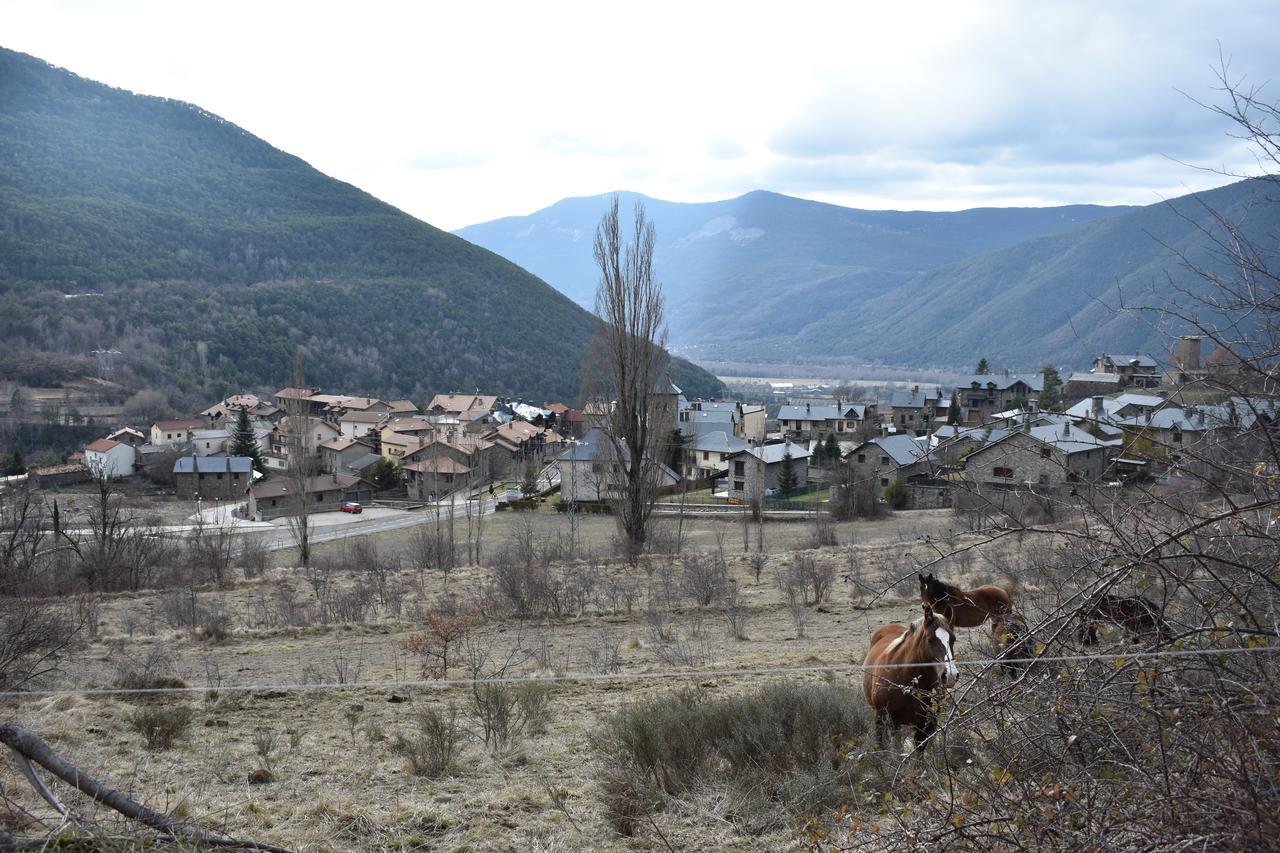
[463, 112]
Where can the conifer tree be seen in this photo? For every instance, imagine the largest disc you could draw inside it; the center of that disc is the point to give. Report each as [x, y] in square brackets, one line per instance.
[243, 442]
[787, 479]
[983, 368]
[954, 415]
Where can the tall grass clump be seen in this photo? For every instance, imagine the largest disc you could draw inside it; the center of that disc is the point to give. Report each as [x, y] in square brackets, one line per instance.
[785, 747]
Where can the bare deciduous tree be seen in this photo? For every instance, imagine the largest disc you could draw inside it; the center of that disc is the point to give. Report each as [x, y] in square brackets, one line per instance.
[631, 340]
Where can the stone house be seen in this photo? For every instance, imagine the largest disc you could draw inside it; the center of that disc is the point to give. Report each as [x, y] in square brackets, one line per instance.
[1055, 455]
[210, 477]
[276, 497]
[888, 457]
[983, 395]
[755, 471]
[1136, 370]
[917, 409]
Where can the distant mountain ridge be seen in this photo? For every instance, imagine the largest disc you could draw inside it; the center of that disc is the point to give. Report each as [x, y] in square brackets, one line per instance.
[765, 264]
[769, 277]
[211, 256]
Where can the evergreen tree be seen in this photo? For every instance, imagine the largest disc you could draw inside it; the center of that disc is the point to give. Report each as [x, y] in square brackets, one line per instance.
[787, 479]
[384, 474]
[830, 451]
[243, 442]
[1051, 396]
[954, 415]
[983, 368]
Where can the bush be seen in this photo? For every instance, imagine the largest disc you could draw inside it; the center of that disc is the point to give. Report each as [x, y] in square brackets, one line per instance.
[433, 746]
[161, 725]
[787, 740]
[895, 494]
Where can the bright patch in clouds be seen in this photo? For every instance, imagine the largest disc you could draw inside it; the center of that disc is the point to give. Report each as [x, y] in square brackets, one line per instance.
[460, 113]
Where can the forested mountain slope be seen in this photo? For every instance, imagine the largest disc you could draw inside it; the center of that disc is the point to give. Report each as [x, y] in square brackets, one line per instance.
[207, 257]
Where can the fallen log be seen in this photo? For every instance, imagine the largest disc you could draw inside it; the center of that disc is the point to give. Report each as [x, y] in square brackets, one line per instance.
[30, 747]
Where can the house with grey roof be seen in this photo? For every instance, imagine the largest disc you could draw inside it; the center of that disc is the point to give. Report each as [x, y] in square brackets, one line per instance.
[706, 454]
[755, 471]
[590, 471]
[1045, 456]
[813, 419]
[279, 496]
[889, 457]
[1134, 369]
[917, 409]
[212, 477]
[983, 395]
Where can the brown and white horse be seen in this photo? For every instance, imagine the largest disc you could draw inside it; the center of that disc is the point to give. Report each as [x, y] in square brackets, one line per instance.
[963, 608]
[909, 665]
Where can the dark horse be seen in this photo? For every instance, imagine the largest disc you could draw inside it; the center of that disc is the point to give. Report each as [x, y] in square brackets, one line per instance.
[1011, 641]
[909, 665]
[1136, 614]
[963, 608]
[970, 608]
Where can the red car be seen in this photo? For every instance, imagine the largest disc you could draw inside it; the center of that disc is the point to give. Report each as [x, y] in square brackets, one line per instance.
[352, 507]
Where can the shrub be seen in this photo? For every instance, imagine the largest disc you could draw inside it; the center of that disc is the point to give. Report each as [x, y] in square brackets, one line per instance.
[787, 740]
[160, 725]
[895, 494]
[433, 746]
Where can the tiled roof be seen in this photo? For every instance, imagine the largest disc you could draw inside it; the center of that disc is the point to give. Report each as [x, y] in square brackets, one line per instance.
[102, 445]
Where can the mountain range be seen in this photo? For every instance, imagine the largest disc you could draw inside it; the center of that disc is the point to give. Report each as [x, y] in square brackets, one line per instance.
[770, 277]
[203, 258]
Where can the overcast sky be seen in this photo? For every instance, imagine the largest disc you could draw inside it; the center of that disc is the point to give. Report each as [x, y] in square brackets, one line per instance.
[464, 112]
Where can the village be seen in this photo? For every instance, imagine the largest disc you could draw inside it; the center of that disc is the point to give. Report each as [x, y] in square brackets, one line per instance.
[916, 447]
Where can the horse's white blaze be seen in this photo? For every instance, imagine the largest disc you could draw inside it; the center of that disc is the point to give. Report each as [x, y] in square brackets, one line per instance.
[947, 670]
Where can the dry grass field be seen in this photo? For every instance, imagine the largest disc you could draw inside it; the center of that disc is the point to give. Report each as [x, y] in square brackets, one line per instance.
[337, 783]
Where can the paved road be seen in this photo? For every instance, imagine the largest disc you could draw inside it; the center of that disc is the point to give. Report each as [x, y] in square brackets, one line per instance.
[280, 536]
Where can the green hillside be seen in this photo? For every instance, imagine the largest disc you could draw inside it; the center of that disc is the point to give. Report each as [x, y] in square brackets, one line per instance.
[205, 256]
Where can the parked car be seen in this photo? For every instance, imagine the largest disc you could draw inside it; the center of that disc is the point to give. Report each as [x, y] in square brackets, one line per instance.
[352, 507]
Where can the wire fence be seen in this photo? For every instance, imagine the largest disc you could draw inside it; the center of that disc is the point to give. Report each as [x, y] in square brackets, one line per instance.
[1119, 660]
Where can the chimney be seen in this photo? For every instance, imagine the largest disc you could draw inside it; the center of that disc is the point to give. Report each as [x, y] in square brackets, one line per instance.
[915, 389]
[1189, 352]
[1097, 408]
[1066, 429]
[1026, 424]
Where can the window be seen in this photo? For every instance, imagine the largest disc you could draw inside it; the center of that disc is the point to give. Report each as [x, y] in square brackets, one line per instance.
[739, 469]
[1073, 476]
[273, 501]
[1000, 471]
[705, 456]
[884, 460]
[597, 468]
[319, 497]
[219, 475]
[738, 485]
[884, 481]
[1044, 478]
[1045, 453]
[862, 457]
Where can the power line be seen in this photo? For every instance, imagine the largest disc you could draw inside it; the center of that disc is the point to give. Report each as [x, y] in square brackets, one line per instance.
[1120, 660]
